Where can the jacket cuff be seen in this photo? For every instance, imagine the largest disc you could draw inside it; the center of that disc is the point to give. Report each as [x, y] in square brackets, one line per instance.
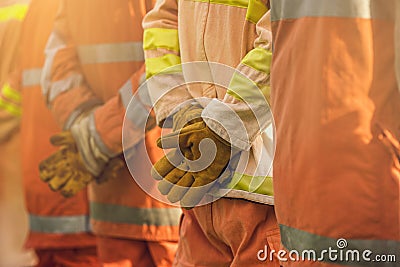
[220, 118]
[237, 123]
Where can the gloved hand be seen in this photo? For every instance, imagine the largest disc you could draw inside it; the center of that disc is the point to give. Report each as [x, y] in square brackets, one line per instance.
[204, 158]
[78, 161]
[187, 115]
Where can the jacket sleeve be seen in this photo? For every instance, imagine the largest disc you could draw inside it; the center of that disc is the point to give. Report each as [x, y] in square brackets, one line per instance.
[63, 84]
[162, 57]
[10, 105]
[248, 93]
[68, 94]
[124, 113]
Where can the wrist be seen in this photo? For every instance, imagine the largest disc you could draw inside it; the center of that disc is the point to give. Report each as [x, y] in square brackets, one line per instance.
[93, 158]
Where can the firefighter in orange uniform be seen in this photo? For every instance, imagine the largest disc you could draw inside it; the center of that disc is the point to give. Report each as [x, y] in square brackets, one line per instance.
[59, 227]
[94, 60]
[336, 104]
[13, 216]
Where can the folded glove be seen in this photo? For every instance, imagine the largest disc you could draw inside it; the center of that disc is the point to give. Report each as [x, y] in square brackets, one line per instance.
[189, 171]
[187, 115]
[78, 162]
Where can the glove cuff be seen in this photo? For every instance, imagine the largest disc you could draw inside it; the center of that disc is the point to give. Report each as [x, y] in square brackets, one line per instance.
[93, 158]
[185, 115]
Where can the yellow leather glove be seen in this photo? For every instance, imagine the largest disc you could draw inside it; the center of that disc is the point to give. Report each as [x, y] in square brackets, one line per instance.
[187, 115]
[187, 177]
[65, 170]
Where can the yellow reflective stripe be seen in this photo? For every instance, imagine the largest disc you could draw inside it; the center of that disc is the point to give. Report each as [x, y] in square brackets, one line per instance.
[235, 3]
[256, 10]
[158, 64]
[241, 87]
[161, 38]
[262, 185]
[10, 93]
[17, 12]
[266, 91]
[259, 59]
[10, 108]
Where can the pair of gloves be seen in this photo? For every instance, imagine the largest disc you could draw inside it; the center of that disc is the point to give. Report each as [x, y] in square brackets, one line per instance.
[79, 161]
[199, 159]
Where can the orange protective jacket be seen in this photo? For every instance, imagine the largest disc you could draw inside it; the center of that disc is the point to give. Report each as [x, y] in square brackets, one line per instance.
[13, 219]
[94, 49]
[55, 222]
[336, 105]
[232, 34]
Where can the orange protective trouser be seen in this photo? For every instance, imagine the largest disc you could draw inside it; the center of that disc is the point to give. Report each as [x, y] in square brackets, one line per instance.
[115, 252]
[78, 257]
[228, 232]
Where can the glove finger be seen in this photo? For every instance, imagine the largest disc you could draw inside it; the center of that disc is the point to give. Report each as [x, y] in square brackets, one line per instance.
[73, 186]
[166, 164]
[111, 171]
[62, 139]
[47, 167]
[44, 173]
[150, 123]
[187, 116]
[164, 187]
[169, 140]
[177, 138]
[229, 171]
[173, 177]
[225, 176]
[59, 181]
[178, 191]
[177, 118]
[234, 161]
[195, 194]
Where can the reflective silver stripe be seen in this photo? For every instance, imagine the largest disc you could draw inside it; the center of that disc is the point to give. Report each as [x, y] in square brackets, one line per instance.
[126, 93]
[99, 142]
[142, 78]
[298, 240]
[294, 9]
[138, 216]
[137, 112]
[61, 86]
[31, 77]
[255, 197]
[85, 106]
[108, 53]
[59, 224]
[53, 46]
